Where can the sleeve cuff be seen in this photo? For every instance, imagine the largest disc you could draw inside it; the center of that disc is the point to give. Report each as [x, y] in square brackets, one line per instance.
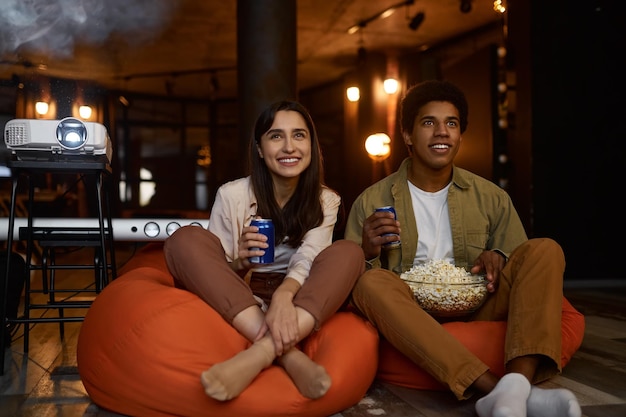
[499, 252]
[372, 263]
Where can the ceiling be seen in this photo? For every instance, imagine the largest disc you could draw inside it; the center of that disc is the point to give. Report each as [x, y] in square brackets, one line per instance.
[188, 48]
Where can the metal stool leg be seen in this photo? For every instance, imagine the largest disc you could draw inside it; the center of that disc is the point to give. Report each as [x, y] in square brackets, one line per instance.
[52, 291]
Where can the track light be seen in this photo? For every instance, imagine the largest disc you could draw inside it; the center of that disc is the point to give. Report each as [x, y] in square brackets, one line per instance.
[416, 21]
[499, 6]
[380, 15]
[466, 6]
[361, 55]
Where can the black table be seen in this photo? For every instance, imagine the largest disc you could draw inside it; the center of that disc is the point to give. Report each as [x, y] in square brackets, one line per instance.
[51, 238]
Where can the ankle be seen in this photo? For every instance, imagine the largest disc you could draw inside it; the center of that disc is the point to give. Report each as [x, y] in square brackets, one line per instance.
[264, 348]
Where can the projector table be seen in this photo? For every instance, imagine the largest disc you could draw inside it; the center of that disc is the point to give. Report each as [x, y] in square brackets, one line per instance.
[51, 238]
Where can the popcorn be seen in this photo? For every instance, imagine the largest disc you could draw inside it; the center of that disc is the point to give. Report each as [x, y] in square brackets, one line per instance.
[444, 289]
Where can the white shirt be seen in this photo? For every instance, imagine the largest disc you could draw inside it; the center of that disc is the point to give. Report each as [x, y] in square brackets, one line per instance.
[236, 205]
[433, 224]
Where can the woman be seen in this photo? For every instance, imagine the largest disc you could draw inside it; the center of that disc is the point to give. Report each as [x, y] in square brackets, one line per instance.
[311, 276]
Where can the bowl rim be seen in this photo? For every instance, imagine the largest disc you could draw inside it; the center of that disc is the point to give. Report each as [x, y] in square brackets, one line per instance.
[480, 278]
[433, 281]
[474, 279]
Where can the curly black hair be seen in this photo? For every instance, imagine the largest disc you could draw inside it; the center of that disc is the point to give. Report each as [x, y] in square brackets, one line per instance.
[427, 91]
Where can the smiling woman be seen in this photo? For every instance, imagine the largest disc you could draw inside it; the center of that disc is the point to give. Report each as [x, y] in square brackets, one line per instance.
[286, 151]
[145, 343]
[281, 302]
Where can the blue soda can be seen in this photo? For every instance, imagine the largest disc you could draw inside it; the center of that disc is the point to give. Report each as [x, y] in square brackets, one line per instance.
[395, 243]
[266, 227]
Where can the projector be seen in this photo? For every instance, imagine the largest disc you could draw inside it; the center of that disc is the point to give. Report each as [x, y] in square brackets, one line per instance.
[69, 138]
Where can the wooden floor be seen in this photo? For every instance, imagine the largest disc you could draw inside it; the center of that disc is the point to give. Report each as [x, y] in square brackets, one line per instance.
[45, 382]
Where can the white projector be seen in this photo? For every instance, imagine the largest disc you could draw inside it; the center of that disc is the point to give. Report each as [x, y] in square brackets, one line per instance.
[32, 139]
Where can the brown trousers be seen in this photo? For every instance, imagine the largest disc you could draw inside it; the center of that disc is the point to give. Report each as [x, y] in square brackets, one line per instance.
[529, 297]
[196, 259]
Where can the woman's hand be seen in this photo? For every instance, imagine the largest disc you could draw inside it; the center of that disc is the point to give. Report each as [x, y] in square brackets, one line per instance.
[250, 239]
[374, 227]
[491, 263]
[282, 317]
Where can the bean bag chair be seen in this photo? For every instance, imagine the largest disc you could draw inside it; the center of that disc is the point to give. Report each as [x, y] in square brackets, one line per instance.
[144, 343]
[485, 339]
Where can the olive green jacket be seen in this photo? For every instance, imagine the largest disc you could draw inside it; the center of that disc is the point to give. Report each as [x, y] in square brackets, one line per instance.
[482, 216]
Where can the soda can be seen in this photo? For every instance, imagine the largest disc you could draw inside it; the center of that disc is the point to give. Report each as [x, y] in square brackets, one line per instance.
[266, 227]
[395, 243]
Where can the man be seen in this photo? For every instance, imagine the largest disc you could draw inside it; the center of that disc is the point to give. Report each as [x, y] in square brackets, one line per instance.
[445, 212]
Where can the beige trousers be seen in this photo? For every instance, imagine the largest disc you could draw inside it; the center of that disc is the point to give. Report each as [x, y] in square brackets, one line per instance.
[529, 297]
[196, 259]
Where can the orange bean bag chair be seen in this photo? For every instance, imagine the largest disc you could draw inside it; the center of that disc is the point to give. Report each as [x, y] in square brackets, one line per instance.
[485, 339]
[144, 343]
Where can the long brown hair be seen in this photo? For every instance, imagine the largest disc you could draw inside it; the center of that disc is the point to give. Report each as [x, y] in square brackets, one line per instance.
[304, 209]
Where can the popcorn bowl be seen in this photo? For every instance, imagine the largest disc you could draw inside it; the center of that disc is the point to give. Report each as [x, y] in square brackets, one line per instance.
[444, 290]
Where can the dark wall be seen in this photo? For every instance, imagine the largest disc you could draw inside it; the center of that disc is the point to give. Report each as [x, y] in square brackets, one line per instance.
[343, 126]
[475, 75]
[578, 137]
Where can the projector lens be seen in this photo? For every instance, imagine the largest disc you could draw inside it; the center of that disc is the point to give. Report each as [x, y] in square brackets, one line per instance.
[71, 133]
[72, 137]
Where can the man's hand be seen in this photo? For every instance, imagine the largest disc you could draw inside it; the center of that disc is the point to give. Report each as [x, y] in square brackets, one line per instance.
[491, 263]
[374, 227]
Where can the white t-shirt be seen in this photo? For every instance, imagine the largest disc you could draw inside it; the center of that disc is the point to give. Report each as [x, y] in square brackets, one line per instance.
[433, 224]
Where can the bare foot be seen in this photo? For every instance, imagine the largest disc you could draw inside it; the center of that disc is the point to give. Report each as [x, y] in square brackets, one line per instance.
[310, 378]
[226, 380]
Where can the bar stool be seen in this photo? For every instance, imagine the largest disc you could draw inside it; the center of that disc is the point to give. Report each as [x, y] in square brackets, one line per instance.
[53, 238]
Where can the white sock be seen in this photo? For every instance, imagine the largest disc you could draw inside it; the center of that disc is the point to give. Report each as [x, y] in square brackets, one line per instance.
[552, 403]
[507, 399]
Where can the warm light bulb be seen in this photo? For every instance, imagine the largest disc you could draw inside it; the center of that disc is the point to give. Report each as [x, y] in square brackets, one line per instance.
[499, 6]
[353, 93]
[387, 13]
[377, 145]
[41, 107]
[390, 85]
[85, 112]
